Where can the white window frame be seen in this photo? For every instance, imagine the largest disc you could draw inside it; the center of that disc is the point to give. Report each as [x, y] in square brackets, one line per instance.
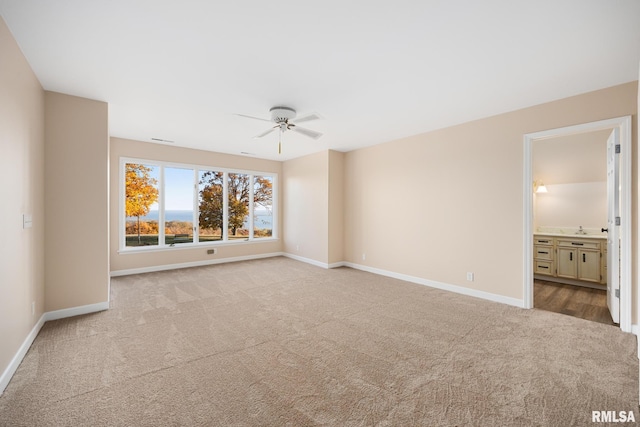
[162, 246]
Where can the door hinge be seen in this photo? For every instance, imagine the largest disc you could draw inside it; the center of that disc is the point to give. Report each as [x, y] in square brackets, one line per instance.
[617, 293]
[617, 220]
[617, 148]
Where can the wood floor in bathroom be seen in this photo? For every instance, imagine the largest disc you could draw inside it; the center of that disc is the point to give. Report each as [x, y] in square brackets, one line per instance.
[577, 301]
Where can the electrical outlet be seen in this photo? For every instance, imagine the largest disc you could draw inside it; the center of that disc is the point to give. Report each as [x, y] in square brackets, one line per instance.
[33, 308]
[364, 256]
[470, 276]
[27, 221]
[212, 251]
[297, 248]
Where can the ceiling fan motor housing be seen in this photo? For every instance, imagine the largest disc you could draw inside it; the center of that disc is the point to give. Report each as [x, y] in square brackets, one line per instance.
[282, 114]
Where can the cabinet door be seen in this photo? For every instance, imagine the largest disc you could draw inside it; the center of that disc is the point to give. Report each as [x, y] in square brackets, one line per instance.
[567, 263]
[589, 265]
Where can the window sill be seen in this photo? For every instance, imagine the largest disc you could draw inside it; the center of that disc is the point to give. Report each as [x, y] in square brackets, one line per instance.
[192, 246]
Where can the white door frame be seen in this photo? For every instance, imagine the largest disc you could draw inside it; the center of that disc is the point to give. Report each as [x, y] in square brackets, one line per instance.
[624, 125]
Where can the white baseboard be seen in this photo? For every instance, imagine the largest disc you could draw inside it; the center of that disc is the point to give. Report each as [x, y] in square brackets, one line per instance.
[307, 260]
[151, 269]
[50, 315]
[419, 280]
[337, 264]
[314, 262]
[635, 330]
[164, 267]
[22, 351]
[439, 285]
[75, 311]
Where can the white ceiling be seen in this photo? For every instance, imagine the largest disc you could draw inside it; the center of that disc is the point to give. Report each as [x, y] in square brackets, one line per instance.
[376, 71]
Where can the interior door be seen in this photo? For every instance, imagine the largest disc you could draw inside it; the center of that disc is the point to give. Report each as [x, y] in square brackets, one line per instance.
[613, 212]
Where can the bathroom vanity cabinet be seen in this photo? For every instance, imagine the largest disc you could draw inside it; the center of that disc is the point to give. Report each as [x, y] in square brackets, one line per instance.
[578, 258]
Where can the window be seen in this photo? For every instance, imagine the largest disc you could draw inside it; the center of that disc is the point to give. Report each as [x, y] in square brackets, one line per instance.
[178, 205]
[238, 186]
[262, 206]
[169, 205]
[211, 205]
[141, 204]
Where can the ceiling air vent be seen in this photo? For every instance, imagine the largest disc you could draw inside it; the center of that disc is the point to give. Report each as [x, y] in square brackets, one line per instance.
[162, 140]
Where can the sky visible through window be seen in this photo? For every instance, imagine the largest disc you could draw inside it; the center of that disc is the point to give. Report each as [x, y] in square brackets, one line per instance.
[178, 189]
[176, 181]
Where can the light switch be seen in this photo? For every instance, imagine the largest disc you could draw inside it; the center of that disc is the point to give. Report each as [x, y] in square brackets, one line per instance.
[27, 221]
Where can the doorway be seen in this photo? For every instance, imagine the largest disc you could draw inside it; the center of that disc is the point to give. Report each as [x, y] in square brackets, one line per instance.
[623, 127]
[573, 173]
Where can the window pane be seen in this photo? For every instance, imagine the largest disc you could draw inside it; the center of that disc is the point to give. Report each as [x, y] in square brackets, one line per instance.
[238, 206]
[141, 204]
[262, 206]
[210, 205]
[178, 205]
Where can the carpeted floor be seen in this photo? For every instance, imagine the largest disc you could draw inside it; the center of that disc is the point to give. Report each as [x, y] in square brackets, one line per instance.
[276, 342]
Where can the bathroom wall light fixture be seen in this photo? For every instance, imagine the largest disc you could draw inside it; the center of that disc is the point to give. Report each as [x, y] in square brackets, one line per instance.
[539, 188]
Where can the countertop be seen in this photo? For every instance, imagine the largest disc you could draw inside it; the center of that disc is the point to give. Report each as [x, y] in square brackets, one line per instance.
[572, 236]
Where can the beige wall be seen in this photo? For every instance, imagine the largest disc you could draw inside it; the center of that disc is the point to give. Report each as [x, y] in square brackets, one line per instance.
[76, 200]
[149, 151]
[441, 204]
[314, 207]
[572, 205]
[574, 170]
[571, 159]
[336, 207]
[21, 183]
[305, 206]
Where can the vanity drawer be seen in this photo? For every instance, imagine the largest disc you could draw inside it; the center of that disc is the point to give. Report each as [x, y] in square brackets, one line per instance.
[579, 243]
[543, 241]
[543, 267]
[543, 252]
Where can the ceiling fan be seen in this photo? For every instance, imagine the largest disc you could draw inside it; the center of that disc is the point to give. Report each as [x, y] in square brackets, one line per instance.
[284, 117]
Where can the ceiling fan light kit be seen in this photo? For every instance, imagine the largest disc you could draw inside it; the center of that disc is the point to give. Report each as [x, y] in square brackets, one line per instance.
[284, 117]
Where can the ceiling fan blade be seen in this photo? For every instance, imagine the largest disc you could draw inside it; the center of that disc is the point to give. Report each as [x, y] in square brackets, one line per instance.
[306, 132]
[267, 132]
[252, 117]
[307, 118]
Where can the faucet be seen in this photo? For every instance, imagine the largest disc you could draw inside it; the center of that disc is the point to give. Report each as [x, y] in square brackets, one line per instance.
[581, 231]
